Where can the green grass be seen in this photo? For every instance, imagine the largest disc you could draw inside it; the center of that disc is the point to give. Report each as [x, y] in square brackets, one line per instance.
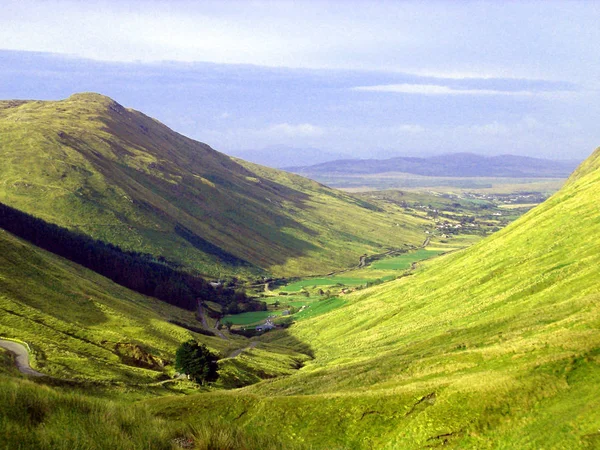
[83, 327]
[44, 418]
[319, 307]
[249, 318]
[496, 346]
[404, 261]
[324, 281]
[383, 270]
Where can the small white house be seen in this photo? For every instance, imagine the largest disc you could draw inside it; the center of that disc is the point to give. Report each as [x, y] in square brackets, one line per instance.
[268, 325]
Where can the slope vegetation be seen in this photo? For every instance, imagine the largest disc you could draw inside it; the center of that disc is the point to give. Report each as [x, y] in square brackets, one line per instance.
[91, 165]
[497, 346]
[82, 326]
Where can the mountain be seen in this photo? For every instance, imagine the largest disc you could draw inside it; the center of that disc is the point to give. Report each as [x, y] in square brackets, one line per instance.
[282, 156]
[451, 165]
[93, 166]
[496, 346]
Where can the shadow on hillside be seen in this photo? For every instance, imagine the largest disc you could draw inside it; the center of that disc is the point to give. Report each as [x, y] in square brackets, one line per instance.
[285, 354]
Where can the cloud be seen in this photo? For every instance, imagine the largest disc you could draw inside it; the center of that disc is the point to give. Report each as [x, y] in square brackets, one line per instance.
[436, 89]
[299, 130]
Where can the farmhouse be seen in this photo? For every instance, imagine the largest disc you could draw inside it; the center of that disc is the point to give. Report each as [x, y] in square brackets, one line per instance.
[268, 325]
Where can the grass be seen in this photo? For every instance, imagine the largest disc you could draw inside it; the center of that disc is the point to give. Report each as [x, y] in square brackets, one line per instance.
[83, 327]
[496, 346]
[40, 417]
[319, 307]
[324, 281]
[248, 318]
[384, 269]
[405, 261]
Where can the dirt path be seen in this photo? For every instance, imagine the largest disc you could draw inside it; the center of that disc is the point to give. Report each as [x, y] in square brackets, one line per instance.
[21, 357]
[205, 324]
[240, 350]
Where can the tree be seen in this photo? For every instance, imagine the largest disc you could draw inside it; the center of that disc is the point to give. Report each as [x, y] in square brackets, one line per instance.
[197, 362]
[228, 324]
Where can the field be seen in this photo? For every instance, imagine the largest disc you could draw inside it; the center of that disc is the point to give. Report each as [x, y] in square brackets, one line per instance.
[405, 261]
[325, 281]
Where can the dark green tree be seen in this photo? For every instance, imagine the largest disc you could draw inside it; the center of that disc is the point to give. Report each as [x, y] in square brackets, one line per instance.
[197, 361]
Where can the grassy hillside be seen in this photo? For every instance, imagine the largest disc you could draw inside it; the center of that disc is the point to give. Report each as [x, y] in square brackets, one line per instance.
[497, 346]
[89, 164]
[81, 326]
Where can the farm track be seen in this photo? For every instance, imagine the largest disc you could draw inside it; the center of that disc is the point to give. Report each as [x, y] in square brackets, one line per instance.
[240, 350]
[21, 357]
[207, 327]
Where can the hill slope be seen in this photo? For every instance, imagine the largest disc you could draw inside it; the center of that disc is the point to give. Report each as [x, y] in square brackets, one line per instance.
[451, 165]
[82, 326]
[89, 164]
[497, 346]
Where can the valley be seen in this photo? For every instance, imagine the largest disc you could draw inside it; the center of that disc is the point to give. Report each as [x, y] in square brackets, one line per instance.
[373, 319]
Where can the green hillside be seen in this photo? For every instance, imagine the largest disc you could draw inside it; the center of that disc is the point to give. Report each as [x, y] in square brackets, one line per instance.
[89, 164]
[82, 326]
[496, 346]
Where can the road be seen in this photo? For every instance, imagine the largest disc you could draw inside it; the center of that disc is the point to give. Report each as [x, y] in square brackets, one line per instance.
[205, 324]
[21, 357]
[240, 350]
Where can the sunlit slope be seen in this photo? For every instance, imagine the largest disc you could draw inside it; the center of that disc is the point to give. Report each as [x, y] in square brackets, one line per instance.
[83, 326]
[497, 346]
[90, 164]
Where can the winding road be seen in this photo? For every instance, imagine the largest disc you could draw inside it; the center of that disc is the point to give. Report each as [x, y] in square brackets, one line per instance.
[240, 350]
[207, 327]
[21, 357]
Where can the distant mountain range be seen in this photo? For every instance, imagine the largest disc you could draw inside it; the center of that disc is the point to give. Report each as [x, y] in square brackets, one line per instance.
[449, 165]
[282, 156]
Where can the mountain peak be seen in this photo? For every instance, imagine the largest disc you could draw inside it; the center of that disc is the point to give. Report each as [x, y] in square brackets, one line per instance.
[93, 98]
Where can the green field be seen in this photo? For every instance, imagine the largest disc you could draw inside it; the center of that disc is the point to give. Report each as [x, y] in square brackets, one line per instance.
[314, 306]
[324, 281]
[249, 318]
[404, 261]
[319, 307]
[382, 270]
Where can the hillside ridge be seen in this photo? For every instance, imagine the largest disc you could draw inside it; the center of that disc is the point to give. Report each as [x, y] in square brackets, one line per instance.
[89, 164]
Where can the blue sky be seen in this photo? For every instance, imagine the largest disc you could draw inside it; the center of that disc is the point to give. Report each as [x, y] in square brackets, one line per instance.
[359, 78]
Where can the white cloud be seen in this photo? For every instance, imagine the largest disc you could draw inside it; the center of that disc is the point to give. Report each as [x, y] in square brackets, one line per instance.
[291, 130]
[435, 89]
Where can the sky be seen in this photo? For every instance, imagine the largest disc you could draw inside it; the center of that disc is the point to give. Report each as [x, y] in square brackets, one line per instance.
[358, 78]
